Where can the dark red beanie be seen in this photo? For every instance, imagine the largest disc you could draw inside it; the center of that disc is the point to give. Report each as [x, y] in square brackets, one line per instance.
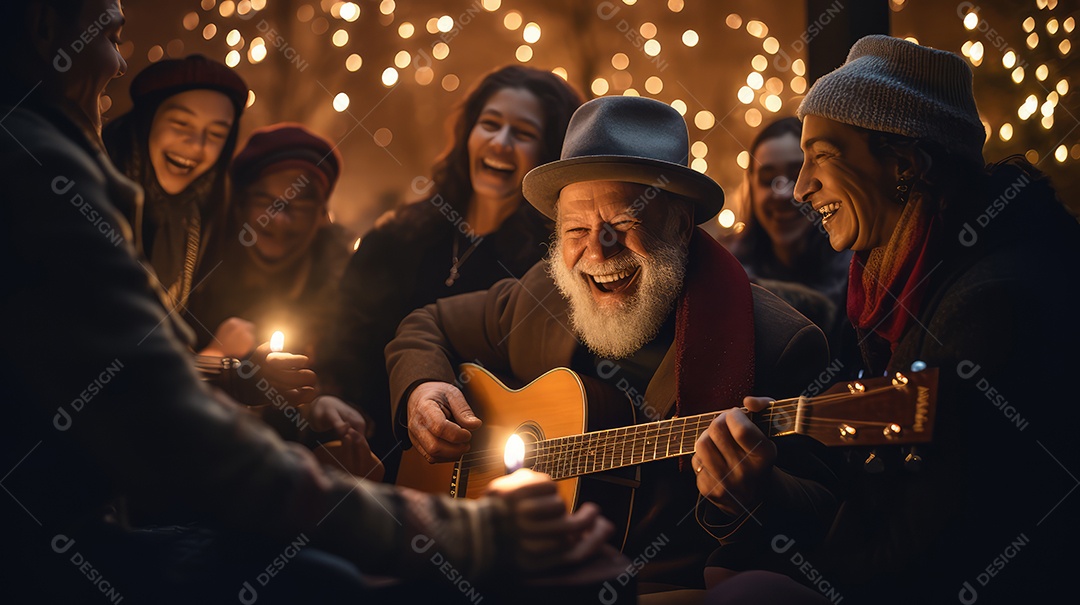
[194, 72]
[287, 145]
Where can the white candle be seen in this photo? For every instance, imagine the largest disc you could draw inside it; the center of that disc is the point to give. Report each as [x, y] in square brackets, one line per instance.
[514, 454]
[277, 346]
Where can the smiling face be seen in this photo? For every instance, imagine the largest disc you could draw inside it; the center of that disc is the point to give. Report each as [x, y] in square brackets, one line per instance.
[98, 62]
[284, 208]
[773, 172]
[619, 259]
[848, 185]
[504, 144]
[187, 136]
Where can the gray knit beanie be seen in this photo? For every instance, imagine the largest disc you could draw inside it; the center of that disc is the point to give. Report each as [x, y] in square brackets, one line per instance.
[892, 85]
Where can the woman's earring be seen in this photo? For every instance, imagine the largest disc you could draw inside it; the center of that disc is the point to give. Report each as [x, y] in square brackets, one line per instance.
[903, 189]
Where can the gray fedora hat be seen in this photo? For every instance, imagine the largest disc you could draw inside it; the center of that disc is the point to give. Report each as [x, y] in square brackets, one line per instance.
[630, 139]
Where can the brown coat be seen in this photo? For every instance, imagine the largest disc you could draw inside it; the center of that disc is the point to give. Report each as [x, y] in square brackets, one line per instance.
[520, 328]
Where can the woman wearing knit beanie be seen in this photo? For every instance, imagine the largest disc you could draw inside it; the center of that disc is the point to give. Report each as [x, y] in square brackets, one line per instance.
[176, 142]
[957, 266]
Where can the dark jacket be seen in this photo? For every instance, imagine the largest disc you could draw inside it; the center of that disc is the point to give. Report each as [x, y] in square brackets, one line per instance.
[102, 398]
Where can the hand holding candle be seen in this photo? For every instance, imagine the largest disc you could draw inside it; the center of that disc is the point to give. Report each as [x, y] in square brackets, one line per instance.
[279, 358]
[288, 374]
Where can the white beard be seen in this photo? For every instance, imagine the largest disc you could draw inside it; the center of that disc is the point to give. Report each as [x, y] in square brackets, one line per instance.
[619, 329]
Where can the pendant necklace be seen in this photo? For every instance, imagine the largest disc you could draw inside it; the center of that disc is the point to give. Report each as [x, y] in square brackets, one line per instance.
[458, 262]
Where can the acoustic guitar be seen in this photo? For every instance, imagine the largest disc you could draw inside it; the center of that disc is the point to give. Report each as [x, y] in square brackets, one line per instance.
[562, 419]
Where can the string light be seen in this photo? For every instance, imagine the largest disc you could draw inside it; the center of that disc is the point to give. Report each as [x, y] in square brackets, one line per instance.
[341, 102]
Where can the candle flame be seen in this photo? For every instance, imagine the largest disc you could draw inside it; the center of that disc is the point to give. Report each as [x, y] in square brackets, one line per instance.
[277, 341]
[514, 455]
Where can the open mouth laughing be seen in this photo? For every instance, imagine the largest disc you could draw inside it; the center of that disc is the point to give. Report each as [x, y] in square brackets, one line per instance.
[827, 210]
[179, 164]
[613, 282]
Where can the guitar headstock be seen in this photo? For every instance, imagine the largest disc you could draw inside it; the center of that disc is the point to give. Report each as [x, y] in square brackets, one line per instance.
[893, 410]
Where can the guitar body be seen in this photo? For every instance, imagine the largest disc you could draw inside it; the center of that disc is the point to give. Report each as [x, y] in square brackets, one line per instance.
[559, 403]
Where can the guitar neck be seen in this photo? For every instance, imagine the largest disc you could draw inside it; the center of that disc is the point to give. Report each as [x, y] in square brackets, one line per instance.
[599, 451]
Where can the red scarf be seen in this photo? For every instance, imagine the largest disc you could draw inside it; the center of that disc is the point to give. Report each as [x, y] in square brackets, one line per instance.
[714, 331]
[886, 285]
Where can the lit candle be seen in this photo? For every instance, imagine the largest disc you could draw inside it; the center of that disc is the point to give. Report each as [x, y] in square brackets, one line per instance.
[514, 454]
[277, 347]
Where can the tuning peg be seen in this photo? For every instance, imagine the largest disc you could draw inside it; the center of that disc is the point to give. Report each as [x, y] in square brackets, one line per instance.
[913, 461]
[918, 365]
[873, 463]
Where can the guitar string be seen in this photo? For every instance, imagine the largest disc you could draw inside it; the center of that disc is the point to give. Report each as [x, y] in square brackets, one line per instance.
[781, 405]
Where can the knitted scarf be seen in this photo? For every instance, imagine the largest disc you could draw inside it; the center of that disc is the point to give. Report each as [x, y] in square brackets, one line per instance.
[886, 285]
[714, 331]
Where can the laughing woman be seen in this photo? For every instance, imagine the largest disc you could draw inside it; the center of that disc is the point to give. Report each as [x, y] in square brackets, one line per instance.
[964, 267]
[177, 142]
[471, 229]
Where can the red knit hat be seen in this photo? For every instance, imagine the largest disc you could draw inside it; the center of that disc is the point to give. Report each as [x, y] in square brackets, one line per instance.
[287, 145]
[194, 72]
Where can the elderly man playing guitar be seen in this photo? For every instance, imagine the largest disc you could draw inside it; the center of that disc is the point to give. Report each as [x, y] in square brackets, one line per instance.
[636, 296]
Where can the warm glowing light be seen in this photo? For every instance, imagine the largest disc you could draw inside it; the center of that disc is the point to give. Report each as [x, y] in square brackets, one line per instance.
[258, 4]
[424, 75]
[207, 4]
[1029, 24]
[798, 67]
[1048, 122]
[277, 341]
[774, 85]
[227, 8]
[432, 25]
[350, 11]
[699, 149]
[771, 45]
[630, 92]
[1069, 24]
[1008, 60]
[1062, 86]
[752, 117]
[599, 87]
[209, 31]
[675, 5]
[257, 52]
[746, 95]
[798, 85]
[450, 82]
[680, 106]
[402, 59]
[743, 159]
[1052, 26]
[1018, 75]
[440, 51]
[382, 137]
[733, 21]
[1065, 47]
[232, 59]
[754, 80]
[690, 38]
[757, 29]
[512, 20]
[341, 38]
[912, 39]
[191, 21]
[492, 5]
[156, 53]
[1041, 72]
[654, 85]
[445, 23]
[652, 48]
[977, 51]
[385, 7]
[406, 30]
[1005, 132]
[561, 72]
[700, 165]
[233, 38]
[531, 33]
[773, 103]
[1047, 109]
[726, 218]
[305, 13]
[514, 454]
[356, 244]
[704, 120]
[620, 61]
[341, 102]
[966, 48]
[1061, 154]
[1032, 40]
[971, 20]
[648, 30]
[389, 76]
[354, 62]
[759, 62]
[524, 53]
